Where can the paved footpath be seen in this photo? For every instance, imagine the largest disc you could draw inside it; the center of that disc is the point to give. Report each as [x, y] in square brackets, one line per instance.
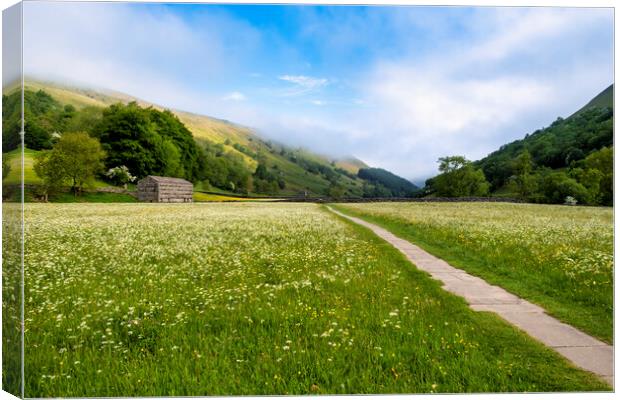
[583, 350]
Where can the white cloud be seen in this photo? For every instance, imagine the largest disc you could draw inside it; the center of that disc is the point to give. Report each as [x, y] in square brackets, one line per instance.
[469, 100]
[101, 44]
[508, 72]
[522, 69]
[303, 84]
[235, 96]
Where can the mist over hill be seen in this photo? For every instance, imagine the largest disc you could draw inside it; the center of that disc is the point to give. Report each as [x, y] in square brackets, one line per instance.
[572, 157]
[237, 158]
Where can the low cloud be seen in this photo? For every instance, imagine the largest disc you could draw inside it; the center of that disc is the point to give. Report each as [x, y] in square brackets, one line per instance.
[235, 96]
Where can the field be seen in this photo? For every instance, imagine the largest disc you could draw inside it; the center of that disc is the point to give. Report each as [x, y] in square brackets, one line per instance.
[30, 177]
[14, 176]
[559, 257]
[251, 298]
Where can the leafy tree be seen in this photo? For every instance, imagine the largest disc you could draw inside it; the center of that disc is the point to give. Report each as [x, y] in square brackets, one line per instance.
[43, 115]
[555, 186]
[459, 178]
[451, 164]
[336, 191]
[150, 142]
[595, 173]
[50, 167]
[524, 181]
[226, 170]
[75, 159]
[264, 180]
[120, 175]
[6, 167]
[85, 119]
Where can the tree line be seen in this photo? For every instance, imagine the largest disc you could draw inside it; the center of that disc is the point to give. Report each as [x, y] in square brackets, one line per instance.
[569, 161]
[142, 140]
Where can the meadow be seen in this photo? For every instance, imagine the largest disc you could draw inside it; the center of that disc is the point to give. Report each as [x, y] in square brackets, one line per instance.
[559, 257]
[252, 298]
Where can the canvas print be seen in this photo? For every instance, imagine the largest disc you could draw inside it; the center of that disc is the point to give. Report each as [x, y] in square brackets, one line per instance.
[243, 199]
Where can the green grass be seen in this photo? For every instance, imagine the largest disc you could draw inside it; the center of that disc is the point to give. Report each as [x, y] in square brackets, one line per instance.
[11, 304]
[252, 298]
[92, 197]
[14, 176]
[556, 256]
[211, 197]
[30, 177]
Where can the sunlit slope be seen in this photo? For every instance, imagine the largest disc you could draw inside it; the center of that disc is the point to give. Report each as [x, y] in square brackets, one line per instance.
[202, 127]
[235, 139]
[602, 100]
[14, 159]
[351, 164]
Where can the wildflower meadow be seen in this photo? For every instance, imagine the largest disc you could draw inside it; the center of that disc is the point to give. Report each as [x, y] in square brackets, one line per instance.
[560, 257]
[252, 298]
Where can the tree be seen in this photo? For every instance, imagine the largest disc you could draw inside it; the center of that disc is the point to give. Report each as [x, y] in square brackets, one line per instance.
[6, 167]
[50, 167]
[75, 160]
[336, 191]
[265, 181]
[451, 163]
[459, 178]
[150, 142]
[120, 175]
[555, 186]
[524, 180]
[595, 173]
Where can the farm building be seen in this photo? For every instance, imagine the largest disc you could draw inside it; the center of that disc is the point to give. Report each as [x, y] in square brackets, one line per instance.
[161, 189]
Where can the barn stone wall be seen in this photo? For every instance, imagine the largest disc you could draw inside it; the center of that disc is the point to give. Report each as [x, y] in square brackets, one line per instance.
[175, 193]
[165, 190]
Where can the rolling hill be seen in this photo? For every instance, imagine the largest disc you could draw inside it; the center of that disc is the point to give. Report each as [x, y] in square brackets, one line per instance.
[571, 157]
[301, 172]
[558, 145]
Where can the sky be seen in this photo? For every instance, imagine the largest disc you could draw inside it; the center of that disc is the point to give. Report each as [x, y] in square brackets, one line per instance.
[397, 87]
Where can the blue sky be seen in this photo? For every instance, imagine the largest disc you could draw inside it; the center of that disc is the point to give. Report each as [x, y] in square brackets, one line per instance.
[397, 87]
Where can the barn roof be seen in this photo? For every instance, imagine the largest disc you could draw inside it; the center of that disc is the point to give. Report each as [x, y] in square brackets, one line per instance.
[167, 179]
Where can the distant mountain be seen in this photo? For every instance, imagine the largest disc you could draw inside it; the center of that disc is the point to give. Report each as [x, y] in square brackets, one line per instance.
[296, 171]
[394, 184]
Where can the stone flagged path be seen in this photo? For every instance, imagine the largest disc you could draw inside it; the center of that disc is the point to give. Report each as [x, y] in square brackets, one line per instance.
[581, 349]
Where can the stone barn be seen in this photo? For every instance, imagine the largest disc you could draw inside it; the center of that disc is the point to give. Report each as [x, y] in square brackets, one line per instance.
[161, 189]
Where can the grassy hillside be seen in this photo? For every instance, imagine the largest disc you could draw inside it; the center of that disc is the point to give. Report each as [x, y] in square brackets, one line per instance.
[351, 164]
[302, 171]
[14, 176]
[558, 154]
[30, 177]
[602, 100]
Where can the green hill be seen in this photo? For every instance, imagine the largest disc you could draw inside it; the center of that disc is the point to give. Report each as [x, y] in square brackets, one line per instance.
[294, 171]
[570, 157]
[557, 146]
[394, 185]
[605, 99]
